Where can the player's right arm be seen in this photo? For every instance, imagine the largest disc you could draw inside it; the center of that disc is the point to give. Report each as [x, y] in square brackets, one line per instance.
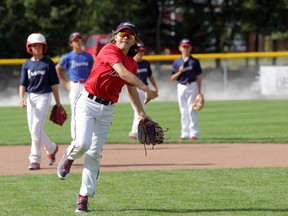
[178, 73]
[132, 79]
[61, 76]
[22, 90]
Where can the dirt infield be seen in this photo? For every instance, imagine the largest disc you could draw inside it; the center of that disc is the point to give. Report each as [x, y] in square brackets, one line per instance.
[14, 159]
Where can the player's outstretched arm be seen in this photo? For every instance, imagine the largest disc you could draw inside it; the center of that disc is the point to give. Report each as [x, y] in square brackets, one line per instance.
[133, 80]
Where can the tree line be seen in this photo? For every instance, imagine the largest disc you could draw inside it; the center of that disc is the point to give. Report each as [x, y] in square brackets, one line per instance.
[212, 25]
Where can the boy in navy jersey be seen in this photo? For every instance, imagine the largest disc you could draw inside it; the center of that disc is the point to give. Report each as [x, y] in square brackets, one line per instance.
[38, 80]
[187, 72]
[144, 73]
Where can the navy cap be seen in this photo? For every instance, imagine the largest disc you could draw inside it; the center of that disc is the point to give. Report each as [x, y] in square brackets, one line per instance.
[74, 36]
[127, 25]
[185, 42]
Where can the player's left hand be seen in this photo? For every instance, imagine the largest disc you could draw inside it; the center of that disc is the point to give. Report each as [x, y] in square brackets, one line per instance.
[148, 96]
[155, 94]
[198, 103]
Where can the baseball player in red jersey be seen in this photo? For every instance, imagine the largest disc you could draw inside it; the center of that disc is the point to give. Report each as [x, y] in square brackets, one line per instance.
[113, 68]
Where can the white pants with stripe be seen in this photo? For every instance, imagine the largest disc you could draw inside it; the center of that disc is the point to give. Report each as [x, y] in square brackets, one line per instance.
[134, 129]
[37, 110]
[92, 124]
[75, 89]
[189, 121]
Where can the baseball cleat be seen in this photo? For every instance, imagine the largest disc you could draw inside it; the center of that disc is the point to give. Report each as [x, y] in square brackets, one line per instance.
[64, 167]
[183, 138]
[52, 157]
[82, 204]
[132, 137]
[34, 166]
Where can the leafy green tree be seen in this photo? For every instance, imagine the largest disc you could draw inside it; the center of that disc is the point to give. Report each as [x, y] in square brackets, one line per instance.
[212, 25]
[57, 19]
[12, 28]
[264, 17]
[20, 18]
[103, 16]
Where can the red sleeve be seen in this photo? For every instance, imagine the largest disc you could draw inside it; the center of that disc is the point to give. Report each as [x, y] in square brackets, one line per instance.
[114, 55]
[104, 82]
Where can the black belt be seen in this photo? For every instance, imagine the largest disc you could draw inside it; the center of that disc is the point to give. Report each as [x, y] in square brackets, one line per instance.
[99, 100]
[80, 81]
[187, 83]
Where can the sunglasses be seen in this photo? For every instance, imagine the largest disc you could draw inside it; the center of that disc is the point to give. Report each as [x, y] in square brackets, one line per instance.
[126, 34]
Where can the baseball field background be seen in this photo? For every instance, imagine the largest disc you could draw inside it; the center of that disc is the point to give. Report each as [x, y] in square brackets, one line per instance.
[233, 116]
[217, 191]
[243, 121]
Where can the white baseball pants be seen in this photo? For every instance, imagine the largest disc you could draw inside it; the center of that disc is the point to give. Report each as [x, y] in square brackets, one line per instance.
[37, 110]
[92, 124]
[189, 121]
[75, 89]
[134, 130]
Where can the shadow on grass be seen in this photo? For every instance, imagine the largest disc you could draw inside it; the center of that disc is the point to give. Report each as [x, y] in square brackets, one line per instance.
[181, 211]
[243, 140]
[184, 145]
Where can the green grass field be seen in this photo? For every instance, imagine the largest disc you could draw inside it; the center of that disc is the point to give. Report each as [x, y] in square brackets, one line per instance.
[207, 192]
[254, 121]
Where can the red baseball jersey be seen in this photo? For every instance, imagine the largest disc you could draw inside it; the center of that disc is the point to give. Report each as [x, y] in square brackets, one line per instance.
[104, 82]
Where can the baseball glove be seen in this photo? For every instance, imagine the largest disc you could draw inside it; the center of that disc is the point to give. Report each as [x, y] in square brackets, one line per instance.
[198, 102]
[133, 51]
[150, 132]
[58, 115]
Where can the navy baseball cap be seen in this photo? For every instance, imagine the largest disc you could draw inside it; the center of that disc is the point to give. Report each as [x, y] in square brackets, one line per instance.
[74, 36]
[185, 42]
[127, 25]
